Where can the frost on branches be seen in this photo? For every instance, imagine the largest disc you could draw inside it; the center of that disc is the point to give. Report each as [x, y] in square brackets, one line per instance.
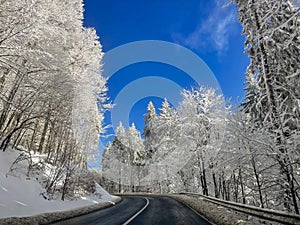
[273, 95]
[257, 161]
[50, 85]
[178, 150]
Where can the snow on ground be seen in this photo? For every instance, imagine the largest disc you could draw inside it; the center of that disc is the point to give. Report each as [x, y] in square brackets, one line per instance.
[20, 196]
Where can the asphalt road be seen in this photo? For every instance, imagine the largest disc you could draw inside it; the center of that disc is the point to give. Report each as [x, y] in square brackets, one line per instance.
[157, 211]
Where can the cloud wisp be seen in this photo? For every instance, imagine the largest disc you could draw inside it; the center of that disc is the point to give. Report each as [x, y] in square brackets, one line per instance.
[213, 31]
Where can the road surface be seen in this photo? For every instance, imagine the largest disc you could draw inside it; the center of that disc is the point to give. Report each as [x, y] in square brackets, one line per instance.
[139, 210]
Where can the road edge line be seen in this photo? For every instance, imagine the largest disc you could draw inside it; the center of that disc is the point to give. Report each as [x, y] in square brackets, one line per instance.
[138, 213]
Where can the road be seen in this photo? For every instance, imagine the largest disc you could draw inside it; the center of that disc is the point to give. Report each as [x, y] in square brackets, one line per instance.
[139, 210]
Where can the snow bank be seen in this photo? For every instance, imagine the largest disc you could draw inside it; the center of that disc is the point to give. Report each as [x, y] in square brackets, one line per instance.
[218, 214]
[20, 196]
[48, 218]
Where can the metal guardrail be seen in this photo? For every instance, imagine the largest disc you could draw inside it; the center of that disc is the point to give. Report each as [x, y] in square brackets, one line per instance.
[266, 214]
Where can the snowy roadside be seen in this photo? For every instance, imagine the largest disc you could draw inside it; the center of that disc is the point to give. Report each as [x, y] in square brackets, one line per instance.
[47, 218]
[20, 196]
[218, 214]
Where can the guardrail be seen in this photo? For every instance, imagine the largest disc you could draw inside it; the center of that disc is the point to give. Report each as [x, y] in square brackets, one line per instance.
[266, 214]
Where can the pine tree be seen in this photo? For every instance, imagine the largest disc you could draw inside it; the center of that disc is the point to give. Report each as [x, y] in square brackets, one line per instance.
[136, 146]
[150, 132]
[272, 31]
[251, 105]
[202, 114]
[167, 130]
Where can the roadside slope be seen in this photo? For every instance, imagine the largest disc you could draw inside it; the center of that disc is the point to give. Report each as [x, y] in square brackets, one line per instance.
[20, 196]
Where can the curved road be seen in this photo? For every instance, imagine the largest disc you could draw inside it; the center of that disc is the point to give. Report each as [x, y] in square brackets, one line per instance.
[148, 210]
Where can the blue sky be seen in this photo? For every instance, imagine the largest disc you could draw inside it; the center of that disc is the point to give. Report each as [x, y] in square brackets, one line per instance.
[205, 27]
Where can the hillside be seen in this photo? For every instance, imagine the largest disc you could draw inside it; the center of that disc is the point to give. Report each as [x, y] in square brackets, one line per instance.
[20, 195]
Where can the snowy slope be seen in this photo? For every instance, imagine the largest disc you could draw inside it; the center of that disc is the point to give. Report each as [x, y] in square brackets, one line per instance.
[20, 196]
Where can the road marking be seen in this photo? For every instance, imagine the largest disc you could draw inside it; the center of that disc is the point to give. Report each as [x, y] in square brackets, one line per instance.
[21, 203]
[138, 213]
[4, 189]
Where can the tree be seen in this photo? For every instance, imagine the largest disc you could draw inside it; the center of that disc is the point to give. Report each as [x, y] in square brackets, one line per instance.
[50, 84]
[271, 41]
[202, 114]
[123, 160]
[150, 131]
[165, 137]
[137, 155]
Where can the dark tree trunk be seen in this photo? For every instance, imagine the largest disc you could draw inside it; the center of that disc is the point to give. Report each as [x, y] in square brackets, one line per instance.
[242, 186]
[217, 193]
[257, 181]
[43, 136]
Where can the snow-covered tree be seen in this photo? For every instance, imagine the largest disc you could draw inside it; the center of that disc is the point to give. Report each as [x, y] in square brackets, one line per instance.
[113, 161]
[167, 129]
[202, 112]
[272, 43]
[50, 82]
[150, 131]
[123, 160]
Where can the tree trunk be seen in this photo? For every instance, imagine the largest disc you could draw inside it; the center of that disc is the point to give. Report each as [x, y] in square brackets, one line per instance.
[7, 104]
[32, 141]
[217, 193]
[242, 186]
[257, 181]
[43, 136]
[236, 187]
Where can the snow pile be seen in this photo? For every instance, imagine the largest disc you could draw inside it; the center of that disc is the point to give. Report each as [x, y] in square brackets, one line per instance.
[105, 196]
[21, 196]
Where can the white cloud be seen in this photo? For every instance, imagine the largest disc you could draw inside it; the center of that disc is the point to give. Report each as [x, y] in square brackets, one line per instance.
[221, 34]
[213, 31]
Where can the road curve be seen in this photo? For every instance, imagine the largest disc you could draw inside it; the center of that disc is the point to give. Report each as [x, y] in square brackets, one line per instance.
[139, 210]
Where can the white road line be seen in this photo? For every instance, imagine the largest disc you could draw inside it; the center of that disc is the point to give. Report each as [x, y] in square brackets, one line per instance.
[21, 203]
[138, 213]
[4, 189]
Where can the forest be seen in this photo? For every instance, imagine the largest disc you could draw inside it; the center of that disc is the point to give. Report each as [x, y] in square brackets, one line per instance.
[53, 99]
[50, 91]
[247, 153]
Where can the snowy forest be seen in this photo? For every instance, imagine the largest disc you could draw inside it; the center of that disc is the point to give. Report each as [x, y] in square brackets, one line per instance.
[247, 153]
[53, 99]
[52, 93]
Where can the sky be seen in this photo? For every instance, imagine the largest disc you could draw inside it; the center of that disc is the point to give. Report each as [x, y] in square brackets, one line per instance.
[210, 29]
